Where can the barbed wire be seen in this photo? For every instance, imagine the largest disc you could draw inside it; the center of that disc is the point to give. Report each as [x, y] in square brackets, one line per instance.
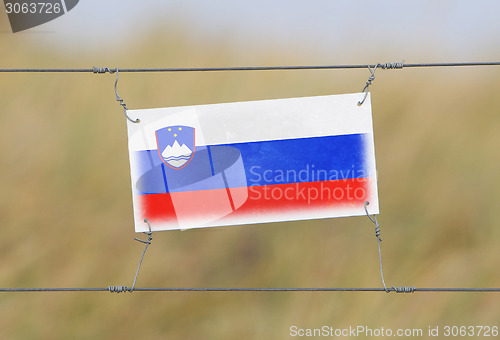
[398, 65]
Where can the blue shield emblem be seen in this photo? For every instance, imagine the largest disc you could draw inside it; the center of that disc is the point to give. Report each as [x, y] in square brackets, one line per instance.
[175, 145]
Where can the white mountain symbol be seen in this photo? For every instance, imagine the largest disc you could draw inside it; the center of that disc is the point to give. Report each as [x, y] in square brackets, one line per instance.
[177, 155]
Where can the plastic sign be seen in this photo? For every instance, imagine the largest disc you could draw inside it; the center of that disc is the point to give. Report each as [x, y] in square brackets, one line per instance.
[252, 162]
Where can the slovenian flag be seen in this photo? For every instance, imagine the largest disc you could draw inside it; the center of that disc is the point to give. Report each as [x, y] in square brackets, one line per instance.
[252, 162]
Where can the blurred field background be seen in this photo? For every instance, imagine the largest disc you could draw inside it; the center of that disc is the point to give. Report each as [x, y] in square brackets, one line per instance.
[66, 210]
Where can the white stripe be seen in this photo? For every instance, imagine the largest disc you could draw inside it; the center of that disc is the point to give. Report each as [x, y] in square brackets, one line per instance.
[256, 121]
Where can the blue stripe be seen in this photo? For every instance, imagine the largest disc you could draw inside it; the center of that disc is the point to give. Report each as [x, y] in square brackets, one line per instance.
[263, 163]
[211, 162]
[164, 177]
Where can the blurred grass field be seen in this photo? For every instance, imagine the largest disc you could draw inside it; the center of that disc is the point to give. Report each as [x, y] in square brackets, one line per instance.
[66, 210]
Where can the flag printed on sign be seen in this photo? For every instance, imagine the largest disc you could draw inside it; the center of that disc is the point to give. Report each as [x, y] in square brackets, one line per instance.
[252, 162]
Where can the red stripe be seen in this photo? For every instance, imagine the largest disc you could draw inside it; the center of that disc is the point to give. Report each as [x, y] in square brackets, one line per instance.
[283, 198]
[210, 205]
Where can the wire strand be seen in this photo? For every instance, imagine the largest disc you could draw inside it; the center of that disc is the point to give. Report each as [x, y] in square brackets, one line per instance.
[119, 289]
[173, 289]
[246, 68]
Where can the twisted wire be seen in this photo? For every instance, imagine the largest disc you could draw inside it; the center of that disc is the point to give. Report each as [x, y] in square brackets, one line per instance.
[377, 234]
[118, 99]
[379, 239]
[117, 289]
[404, 289]
[147, 242]
[102, 70]
[392, 66]
[368, 83]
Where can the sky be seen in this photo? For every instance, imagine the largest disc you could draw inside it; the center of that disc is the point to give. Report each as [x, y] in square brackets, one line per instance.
[447, 30]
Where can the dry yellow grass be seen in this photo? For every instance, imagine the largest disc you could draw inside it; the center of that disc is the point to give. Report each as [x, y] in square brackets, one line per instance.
[66, 214]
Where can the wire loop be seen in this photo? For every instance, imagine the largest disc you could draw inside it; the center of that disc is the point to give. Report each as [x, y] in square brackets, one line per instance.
[374, 220]
[122, 289]
[368, 83]
[102, 70]
[147, 242]
[385, 66]
[377, 234]
[118, 99]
